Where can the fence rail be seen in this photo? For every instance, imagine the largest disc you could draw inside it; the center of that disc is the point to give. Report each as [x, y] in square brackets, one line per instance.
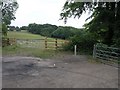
[107, 55]
[54, 44]
[35, 43]
[8, 41]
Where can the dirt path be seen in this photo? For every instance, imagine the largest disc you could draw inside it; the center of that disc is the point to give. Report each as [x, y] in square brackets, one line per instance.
[63, 72]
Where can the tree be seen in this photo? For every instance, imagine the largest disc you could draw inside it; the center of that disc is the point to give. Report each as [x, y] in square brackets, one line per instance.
[45, 29]
[105, 17]
[11, 28]
[4, 30]
[49, 30]
[24, 28]
[65, 32]
[8, 8]
[17, 29]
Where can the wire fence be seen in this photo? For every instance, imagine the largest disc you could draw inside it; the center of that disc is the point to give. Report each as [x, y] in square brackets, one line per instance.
[31, 43]
[41, 43]
[46, 43]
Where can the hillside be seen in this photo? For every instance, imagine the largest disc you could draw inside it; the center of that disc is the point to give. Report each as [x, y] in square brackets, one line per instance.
[27, 35]
[23, 35]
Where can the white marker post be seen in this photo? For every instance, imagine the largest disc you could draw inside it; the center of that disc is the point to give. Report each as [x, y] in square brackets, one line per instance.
[75, 47]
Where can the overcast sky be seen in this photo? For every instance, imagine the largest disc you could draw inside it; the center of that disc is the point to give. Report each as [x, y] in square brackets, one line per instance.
[42, 12]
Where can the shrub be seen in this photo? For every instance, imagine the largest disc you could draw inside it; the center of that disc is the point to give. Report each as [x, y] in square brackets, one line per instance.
[117, 43]
[84, 42]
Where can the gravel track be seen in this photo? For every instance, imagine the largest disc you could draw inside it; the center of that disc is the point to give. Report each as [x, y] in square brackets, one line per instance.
[65, 72]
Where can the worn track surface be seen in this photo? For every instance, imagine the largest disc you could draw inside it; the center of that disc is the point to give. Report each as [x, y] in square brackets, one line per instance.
[65, 72]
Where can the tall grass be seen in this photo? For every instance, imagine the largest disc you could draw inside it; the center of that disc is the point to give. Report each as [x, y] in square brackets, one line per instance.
[15, 50]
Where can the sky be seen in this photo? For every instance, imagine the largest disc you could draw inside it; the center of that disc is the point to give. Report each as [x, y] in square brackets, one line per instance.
[42, 12]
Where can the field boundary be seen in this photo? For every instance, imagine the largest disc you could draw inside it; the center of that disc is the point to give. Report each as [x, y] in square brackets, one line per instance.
[107, 55]
[54, 44]
[41, 43]
[8, 41]
[45, 43]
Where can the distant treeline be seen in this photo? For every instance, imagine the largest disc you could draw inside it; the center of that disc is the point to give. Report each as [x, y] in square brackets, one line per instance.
[48, 30]
[13, 28]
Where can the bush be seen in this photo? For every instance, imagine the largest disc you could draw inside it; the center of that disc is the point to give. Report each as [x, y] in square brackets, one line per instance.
[117, 43]
[63, 33]
[84, 43]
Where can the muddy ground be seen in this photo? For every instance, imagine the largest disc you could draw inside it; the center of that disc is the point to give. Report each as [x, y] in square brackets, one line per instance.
[65, 72]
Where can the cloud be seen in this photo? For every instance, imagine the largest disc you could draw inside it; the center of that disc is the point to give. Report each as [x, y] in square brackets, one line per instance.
[43, 11]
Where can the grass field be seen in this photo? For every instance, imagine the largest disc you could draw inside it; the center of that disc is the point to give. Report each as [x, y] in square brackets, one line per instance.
[28, 51]
[23, 35]
[26, 35]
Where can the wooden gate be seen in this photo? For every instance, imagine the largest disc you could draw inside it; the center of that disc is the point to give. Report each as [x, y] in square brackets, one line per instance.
[54, 43]
[46, 43]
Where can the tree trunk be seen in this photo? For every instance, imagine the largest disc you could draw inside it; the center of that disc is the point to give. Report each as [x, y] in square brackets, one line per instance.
[109, 36]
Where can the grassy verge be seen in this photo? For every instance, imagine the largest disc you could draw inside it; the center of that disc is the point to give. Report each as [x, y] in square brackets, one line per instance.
[92, 60]
[33, 52]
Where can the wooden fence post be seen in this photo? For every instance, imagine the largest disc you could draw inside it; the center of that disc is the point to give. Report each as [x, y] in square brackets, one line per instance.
[56, 43]
[46, 42]
[8, 41]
